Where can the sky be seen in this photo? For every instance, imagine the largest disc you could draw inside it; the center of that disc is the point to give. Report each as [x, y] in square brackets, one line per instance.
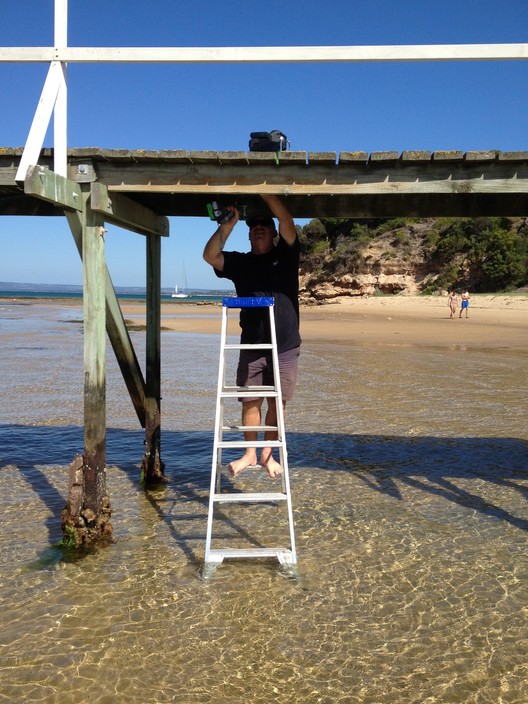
[477, 105]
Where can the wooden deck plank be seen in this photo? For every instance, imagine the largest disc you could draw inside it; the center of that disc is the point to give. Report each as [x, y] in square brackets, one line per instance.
[353, 157]
[385, 156]
[416, 155]
[322, 158]
[453, 155]
[481, 156]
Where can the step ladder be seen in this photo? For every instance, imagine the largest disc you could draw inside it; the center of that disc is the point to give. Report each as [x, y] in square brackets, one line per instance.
[222, 496]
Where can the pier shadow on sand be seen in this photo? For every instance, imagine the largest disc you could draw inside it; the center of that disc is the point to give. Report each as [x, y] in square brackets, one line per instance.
[384, 464]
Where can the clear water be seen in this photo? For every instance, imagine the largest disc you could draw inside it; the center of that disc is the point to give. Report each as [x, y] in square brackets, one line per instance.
[409, 472]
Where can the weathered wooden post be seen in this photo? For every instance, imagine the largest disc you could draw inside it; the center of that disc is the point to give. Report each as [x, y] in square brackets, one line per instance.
[86, 518]
[152, 467]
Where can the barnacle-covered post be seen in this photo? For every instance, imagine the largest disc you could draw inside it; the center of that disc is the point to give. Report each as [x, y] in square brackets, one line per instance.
[86, 518]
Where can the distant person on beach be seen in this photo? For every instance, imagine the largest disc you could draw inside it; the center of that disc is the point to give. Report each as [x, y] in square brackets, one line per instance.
[452, 302]
[268, 269]
[464, 306]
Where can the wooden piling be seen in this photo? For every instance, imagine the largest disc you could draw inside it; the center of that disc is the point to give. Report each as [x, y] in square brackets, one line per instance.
[152, 467]
[87, 521]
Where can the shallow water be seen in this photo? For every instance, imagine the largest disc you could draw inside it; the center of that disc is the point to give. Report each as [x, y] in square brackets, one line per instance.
[409, 472]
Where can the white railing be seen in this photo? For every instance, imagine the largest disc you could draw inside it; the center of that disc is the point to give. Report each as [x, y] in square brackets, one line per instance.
[53, 99]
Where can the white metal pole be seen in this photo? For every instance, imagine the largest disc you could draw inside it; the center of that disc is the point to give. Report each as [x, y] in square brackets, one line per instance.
[60, 113]
[267, 54]
[61, 23]
[41, 120]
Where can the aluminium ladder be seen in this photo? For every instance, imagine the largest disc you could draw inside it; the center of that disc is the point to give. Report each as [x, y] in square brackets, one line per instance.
[214, 556]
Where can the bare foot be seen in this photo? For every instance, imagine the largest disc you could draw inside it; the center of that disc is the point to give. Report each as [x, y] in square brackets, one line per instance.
[237, 466]
[273, 468]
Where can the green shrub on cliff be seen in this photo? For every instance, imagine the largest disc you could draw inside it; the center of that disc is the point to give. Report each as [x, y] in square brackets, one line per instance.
[482, 254]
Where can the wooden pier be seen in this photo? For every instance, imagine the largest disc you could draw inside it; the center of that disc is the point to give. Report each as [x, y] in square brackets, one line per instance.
[139, 190]
[324, 184]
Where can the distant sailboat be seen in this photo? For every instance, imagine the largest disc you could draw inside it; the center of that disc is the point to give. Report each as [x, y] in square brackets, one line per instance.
[180, 294]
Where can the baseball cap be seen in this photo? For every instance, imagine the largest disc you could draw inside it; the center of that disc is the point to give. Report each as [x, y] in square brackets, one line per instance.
[260, 220]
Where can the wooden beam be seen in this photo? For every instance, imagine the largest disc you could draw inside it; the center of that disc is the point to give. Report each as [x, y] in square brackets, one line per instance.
[413, 172]
[94, 362]
[117, 332]
[267, 54]
[45, 184]
[152, 466]
[125, 212]
[331, 189]
[124, 352]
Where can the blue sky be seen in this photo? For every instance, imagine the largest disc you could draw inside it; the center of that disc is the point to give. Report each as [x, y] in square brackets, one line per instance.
[321, 107]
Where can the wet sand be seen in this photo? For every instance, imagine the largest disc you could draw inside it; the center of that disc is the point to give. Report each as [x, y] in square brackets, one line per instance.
[495, 321]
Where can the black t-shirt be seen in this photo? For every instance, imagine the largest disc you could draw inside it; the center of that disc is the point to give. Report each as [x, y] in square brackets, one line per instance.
[276, 274]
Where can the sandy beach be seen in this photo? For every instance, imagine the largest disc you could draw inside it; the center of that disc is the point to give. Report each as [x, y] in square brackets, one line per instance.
[495, 321]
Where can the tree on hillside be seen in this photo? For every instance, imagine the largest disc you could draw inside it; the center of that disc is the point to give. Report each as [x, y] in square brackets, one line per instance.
[483, 254]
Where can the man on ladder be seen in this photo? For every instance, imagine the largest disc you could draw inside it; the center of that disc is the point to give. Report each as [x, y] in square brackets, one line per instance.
[269, 269]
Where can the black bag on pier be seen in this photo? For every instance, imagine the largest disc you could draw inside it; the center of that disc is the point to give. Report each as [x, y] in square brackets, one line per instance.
[268, 141]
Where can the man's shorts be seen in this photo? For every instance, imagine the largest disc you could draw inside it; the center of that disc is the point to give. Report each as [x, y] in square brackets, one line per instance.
[256, 369]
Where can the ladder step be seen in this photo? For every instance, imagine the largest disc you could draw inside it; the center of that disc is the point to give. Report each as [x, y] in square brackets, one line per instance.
[249, 497]
[245, 346]
[248, 301]
[249, 443]
[284, 555]
[249, 468]
[249, 428]
[231, 387]
[248, 394]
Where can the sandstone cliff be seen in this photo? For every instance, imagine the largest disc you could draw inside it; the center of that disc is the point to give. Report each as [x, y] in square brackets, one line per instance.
[407, 258]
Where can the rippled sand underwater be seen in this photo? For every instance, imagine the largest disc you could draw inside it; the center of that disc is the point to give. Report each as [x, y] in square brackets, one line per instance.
[409, 474]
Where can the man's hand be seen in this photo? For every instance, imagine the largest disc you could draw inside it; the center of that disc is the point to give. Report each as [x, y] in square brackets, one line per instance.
[283, 215]
[213, 249]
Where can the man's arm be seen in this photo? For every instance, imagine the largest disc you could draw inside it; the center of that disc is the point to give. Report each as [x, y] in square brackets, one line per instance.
[281, 212]
[213, 251]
